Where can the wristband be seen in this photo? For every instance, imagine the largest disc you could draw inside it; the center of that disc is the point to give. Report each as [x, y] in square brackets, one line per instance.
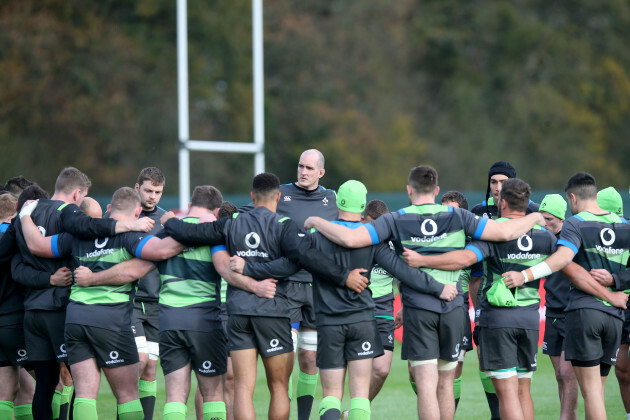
[536, 272]
[27, 209]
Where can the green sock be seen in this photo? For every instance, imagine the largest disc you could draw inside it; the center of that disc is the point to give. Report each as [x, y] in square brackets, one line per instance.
[457, 390]
[175, 411]
[360, 409]
[290, 387]
[305, 394]
[56, 402]
[486, 383]
[329, 408]
[85, 409]
[131, 410]
[413, 386]
[6, 410]
[23, 412]
[214, 410]
[148, 391]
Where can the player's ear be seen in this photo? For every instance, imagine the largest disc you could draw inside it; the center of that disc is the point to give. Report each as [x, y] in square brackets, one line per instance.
[216, 212]
[109, 208]
[138, 211]
[322, 172]
[137, 187]
[409, 190]
[253, 197]
[278, 195]
[437, 190]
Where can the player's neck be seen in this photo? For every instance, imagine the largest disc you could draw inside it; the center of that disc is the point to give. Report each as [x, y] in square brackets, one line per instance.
[121, 216]
[349, 217]
[418, 200]
[62, 197]
[590, 206]
[511, 214]
[268, 204]
[196, 211]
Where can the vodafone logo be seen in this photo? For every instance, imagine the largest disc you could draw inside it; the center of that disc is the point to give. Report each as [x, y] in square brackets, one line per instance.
[428, 227]
[607, 236]
[113, 355]
[274, 342]
[21, 353]
[206, 365]
[252, 240]
[525, 243]
[100, 245]
[366, 346]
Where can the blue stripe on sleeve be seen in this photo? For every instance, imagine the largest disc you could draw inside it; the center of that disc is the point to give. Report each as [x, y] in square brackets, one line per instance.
[402, 211]
[581, 219]
[55, 246]
[4, 227]
[480, 228]
[217, 249]
[141, 245]
[372, 232]
[450, 209]
[476, 251]
[568, 244]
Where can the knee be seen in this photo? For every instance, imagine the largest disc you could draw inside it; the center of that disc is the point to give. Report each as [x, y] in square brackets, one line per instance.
[380, 371]
[306, 358]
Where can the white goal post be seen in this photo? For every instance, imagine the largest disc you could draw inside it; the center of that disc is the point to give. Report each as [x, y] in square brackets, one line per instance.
[185, 143]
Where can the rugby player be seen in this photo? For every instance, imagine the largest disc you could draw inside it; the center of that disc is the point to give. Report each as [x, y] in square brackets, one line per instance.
[434, 351]
[553, 208]
[610, 200]
[149, 185]
[98, 317]
[594, 315]
[45, 303]
[258, 325]
[509, 321]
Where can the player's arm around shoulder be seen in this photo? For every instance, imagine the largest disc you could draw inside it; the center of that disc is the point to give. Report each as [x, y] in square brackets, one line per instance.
[341, 235]
[511, 229]
[121, 273]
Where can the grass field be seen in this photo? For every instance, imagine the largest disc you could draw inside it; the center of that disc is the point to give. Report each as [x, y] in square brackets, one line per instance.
[397, 400]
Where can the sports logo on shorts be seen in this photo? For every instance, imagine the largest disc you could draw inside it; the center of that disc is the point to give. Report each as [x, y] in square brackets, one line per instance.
[114, 356]
[100, 245]
[465, 340]
[390, 339]
[63, 348]
[545, 345]
[614, 359]
[527, 246]
[535, 361]
[366, 346]
[274, 344]
[206, 367]
[252, 240]
[21, 355]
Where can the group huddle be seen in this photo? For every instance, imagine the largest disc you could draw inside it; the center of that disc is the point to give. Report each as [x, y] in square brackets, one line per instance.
[307, 271]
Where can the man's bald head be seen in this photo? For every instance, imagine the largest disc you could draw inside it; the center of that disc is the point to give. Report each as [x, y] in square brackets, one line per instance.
[90, 207]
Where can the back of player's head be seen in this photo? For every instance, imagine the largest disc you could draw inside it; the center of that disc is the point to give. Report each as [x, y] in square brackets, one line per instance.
[33, 192]
[226, 209]
[265, 185]
[125, 200]
[70, 179]
[151, 174]
[17, 184]
[423, 179]
[207, 197]
[319, 156]
[7, 206]
[582, 185]
[610, 200]
[91, 207]
[456, 197]
[516, 193]
[374, 209]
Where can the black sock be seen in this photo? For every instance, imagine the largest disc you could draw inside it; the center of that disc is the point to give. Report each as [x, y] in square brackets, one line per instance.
[63, 411]
[47, 378]
[148, 405]
[71, 407]
[331, 414]
[493, 404]
[456, 403]
[305, 404]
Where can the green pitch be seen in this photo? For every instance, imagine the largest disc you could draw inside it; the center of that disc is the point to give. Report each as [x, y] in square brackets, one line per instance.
[397, 400]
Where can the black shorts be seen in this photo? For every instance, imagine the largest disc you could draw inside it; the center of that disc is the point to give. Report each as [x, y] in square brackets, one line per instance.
[12, 346]
[467, 339]
[223, 315]
[386, 329]
[111, 349]
[300, 298]
[506, 348]
[429, 335]
[270, 336]
[625, 333]
[206, 352]
[592, 335]
[43, 334]
[553, 342]
[145, 320]
[336, 344]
